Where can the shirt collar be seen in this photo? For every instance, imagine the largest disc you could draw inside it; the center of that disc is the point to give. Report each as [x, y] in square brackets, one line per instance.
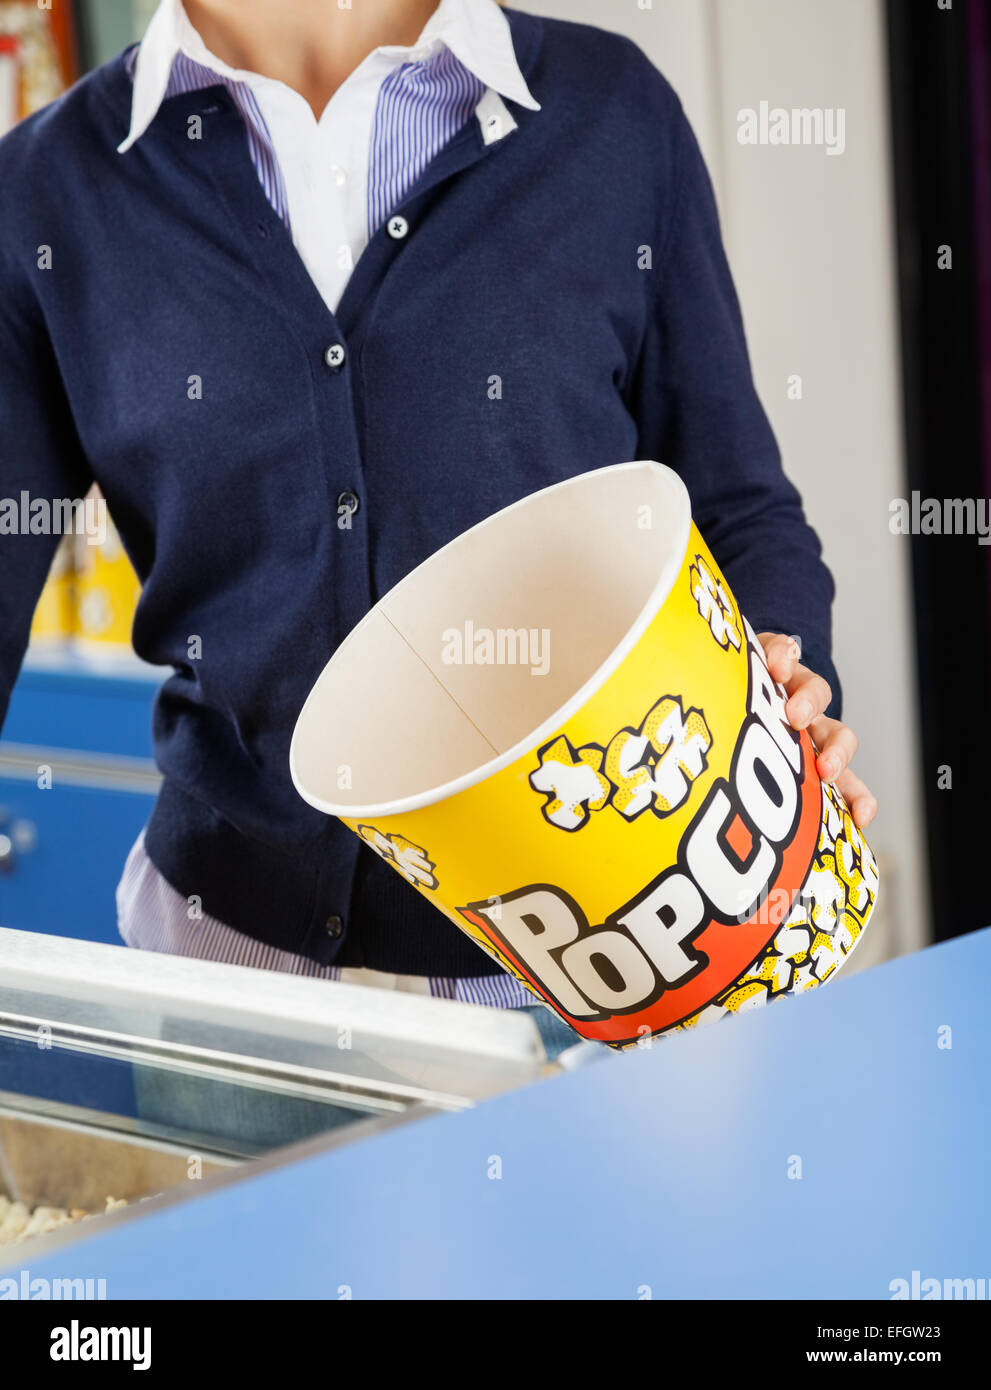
[476, 32]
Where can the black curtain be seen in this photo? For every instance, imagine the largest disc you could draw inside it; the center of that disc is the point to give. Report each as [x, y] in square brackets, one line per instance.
[940, 100]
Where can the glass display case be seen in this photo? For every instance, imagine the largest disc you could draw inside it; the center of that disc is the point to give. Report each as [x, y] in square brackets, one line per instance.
[125, 1073]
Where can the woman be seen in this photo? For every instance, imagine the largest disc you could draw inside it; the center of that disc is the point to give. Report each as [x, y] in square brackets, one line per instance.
[326, 286]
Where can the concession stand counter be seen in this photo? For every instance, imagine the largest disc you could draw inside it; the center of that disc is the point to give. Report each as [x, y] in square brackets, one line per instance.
[828, 1146]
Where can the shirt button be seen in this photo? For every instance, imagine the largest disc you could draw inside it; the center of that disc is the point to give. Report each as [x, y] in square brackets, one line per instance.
[340, 175]
[334, 356]
[348, 500]
[335, 927]
[397, 227]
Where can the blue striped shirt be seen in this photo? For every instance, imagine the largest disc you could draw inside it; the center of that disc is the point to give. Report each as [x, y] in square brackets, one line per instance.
[421, 105]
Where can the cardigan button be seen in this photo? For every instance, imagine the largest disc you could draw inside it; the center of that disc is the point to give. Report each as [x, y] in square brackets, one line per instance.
[348, 501]
[334, 357]
[335, 927]
[397, 227]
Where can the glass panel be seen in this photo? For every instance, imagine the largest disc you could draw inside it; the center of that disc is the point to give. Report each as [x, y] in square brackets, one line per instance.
[123, 1073]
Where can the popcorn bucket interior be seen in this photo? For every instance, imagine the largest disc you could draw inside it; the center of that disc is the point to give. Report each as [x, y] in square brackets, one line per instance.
[561, 731]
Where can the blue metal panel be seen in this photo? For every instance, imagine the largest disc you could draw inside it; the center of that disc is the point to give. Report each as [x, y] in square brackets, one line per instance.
[66, 884]
[70, 705]
[666, 1170]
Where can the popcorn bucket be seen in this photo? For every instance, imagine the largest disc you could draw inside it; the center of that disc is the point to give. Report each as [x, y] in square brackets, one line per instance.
[560, 729]
[107, 593]
[53, 623]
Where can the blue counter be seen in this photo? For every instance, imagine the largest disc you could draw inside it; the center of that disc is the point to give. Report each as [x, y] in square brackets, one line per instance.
[822, 1147]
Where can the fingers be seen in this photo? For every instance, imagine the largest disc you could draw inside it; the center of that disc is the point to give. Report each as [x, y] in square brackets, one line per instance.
[863, 806]
[837, 744]
[781, 654]
[808, 697]
[808, 693]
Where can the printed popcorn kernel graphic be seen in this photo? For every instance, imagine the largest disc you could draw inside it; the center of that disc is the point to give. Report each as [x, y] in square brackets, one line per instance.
[714, 604]
[572, 781]
[408, 859]
[823, 925]
[652, 767]
[656, 765]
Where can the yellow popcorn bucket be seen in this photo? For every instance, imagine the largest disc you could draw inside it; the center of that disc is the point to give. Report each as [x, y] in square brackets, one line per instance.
[54, 617]
[107, 593]
[560, 729]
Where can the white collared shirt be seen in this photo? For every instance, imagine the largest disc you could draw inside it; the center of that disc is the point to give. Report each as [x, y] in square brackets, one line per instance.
[323, 164]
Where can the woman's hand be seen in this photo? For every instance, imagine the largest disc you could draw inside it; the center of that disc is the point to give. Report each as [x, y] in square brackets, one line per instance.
[808, 696]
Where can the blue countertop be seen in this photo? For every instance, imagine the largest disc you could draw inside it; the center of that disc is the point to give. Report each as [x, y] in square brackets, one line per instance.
[670, 1173]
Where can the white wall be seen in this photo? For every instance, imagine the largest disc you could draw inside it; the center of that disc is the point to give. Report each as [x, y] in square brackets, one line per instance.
[810, 241]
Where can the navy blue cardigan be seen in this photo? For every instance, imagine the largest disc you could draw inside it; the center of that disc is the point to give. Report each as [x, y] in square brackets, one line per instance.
[525, 259]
